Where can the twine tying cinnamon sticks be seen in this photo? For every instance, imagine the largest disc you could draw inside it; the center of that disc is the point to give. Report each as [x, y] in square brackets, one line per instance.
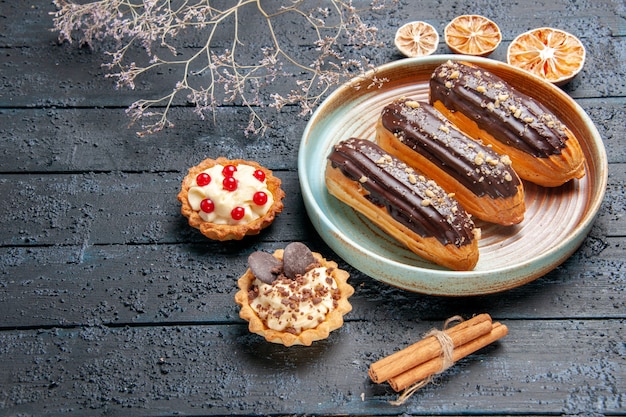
[414, 366]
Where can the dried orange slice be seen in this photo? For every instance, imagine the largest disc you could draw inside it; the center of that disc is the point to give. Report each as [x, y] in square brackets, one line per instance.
[472, 35]
[552, 54]
[416, 39]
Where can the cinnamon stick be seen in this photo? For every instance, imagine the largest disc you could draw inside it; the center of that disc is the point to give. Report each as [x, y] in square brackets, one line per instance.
[433, 366]
[428, 349]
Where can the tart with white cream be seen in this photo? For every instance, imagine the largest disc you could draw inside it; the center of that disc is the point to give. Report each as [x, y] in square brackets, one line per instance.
[229, 199]
[294, 296]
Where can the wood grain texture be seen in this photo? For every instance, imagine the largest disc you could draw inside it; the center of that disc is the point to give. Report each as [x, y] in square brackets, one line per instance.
[224, 370]
[185, 283]
[110, 304]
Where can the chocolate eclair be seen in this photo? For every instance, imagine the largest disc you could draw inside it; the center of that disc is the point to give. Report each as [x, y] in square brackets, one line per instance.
[484, 106]
[482, 180]
[403, 202]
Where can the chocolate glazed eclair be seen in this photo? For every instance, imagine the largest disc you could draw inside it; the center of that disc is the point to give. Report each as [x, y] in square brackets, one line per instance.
[543, 150]
[408, 206]
[482, 180]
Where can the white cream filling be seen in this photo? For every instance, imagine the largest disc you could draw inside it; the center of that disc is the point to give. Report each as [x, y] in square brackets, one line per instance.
[225, 201]
[296, 304]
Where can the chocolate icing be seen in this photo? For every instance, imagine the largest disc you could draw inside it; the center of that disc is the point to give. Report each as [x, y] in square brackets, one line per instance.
[410, 198]
[478, 168]
[507, 114]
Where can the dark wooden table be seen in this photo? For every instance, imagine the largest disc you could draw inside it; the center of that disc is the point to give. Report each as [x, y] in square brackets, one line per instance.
[111, 304]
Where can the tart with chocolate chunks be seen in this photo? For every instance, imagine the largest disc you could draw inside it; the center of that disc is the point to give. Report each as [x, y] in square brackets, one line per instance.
[293, 296]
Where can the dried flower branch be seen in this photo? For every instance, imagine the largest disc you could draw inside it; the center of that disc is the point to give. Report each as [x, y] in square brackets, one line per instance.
[210, 75]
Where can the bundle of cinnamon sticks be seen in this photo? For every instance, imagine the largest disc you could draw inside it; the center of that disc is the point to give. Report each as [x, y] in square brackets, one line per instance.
[425, 358]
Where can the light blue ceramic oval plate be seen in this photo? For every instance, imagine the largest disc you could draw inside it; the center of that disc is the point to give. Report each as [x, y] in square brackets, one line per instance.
[556, 221]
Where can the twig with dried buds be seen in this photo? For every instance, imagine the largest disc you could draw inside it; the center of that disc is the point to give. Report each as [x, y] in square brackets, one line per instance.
[212, 75]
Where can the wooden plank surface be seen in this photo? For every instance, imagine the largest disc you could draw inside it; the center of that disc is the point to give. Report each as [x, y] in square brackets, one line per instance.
[207, 369]
[73, 209]
[196, 283]
[70, 140]
[74, 76]
[110, 304]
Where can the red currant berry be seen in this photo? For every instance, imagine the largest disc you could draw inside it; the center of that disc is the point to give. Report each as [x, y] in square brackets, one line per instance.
[207, 205]
[229, 170]
[203, 179]
[237, 213]
[259, 175]
[229, 183]
[259, 198]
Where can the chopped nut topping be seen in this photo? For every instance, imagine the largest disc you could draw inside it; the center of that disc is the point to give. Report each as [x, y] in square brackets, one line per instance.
[506, 160]
[492, 161]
